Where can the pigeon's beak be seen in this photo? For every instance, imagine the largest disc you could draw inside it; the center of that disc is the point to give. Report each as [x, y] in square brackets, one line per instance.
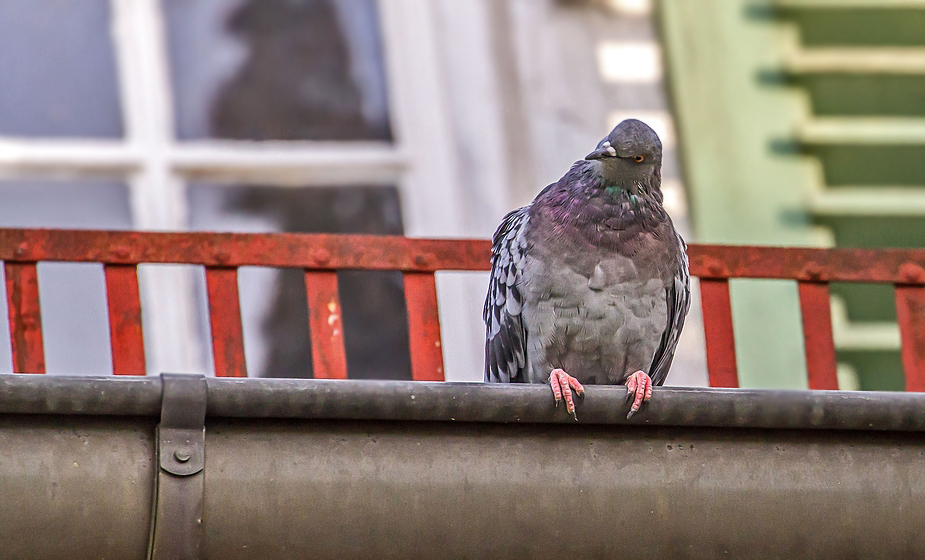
[605, 151]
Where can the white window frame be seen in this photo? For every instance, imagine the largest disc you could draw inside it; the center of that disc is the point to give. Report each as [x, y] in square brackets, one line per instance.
[157, 166]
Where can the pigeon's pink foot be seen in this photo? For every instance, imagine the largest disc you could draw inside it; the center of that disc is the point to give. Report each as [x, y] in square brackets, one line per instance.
[562, 385]
[640, 386]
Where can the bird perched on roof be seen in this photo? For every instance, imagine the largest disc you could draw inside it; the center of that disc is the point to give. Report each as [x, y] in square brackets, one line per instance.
[589, 282]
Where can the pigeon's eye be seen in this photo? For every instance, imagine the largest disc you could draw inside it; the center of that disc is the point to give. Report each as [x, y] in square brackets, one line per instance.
[639, 159]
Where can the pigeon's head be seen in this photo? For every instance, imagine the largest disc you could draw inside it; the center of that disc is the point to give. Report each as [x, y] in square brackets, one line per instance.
[630, 154]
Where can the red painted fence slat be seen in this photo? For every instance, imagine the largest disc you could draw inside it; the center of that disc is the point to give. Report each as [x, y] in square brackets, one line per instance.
[125, 332]
[910, 312]
[325, 322]
[816, 312]
[22, 298]
[424, 327]
[717, 327]
[225, 320]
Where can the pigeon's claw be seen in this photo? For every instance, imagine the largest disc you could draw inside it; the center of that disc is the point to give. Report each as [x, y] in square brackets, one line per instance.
[562, 386]
[639, 386]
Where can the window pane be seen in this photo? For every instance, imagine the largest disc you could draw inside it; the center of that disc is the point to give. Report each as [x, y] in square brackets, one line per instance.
[273, 304]
[58, 68]
[64, 204]
[75, 322]
[277, 69]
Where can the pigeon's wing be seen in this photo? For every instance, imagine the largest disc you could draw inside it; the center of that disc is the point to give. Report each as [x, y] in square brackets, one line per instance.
[679, 301]
[505, 333]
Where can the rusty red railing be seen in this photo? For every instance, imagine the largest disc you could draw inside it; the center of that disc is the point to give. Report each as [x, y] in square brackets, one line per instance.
[321, 255]
[813, 269]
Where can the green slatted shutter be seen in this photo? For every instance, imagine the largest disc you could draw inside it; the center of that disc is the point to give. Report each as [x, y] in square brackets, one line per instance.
[822, 105]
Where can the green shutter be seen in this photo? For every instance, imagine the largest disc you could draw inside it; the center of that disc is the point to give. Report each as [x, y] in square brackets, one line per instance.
[803, 122]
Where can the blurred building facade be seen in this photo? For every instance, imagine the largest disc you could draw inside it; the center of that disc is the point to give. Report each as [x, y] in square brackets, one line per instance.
[415, 117]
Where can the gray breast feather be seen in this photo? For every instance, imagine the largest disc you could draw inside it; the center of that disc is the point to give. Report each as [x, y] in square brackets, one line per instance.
[599, 329]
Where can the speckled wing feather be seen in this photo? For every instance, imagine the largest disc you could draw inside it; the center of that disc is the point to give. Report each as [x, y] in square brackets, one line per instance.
[679, 301]
[506, 337]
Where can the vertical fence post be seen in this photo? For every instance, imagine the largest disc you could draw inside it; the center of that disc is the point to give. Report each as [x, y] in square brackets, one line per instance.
[325, 322]
[424, 326]
[816, 311]
[225, 321]
[24, 310]
[717, 327]
[125, 331]
[910, 313]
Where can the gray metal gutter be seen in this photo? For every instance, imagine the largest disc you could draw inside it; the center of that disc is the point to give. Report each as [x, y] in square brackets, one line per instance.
[382, 469]
[470, 402]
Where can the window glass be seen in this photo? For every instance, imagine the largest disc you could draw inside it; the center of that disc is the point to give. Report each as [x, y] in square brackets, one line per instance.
[277, 69]
[58, 67]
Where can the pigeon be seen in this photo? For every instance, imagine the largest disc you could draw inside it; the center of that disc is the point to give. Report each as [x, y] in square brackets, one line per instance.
[589, 282]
